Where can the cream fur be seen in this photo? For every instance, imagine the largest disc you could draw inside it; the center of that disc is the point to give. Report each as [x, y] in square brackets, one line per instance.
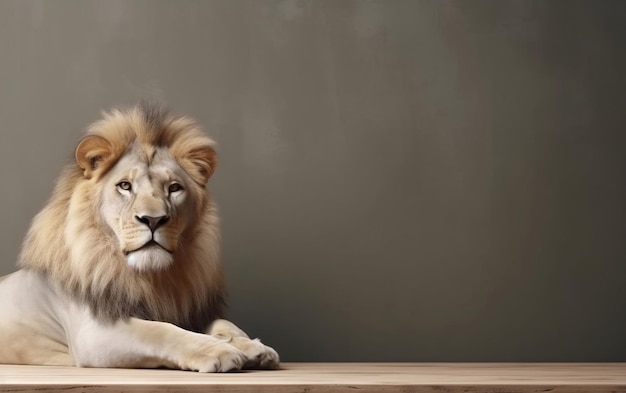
[124, 257]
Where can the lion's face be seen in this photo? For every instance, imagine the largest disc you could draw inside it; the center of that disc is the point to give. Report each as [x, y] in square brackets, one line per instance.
[146, 203]
[131, 229]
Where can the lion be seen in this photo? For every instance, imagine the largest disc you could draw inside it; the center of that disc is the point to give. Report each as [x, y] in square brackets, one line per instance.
[121, 267]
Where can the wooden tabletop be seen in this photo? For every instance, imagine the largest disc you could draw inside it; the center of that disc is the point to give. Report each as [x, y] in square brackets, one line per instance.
[329, 377]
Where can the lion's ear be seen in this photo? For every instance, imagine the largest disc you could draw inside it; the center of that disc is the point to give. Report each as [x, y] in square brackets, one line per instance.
[91, 153]
[203, 162]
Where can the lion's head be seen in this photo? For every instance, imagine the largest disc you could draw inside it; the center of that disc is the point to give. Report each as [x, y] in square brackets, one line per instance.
[130, 229]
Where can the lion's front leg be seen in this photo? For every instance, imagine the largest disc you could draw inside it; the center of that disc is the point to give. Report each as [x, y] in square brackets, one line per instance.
[258, 355]
[136, 343]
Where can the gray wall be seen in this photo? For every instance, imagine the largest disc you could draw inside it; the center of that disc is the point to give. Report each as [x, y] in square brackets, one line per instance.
[399, 180]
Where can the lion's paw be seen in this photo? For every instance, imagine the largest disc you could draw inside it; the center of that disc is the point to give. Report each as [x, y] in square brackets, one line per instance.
[258, 355]
[216, 357]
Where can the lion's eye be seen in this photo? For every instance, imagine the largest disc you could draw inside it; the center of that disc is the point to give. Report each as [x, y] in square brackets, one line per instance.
[174, 187]
[124, 185]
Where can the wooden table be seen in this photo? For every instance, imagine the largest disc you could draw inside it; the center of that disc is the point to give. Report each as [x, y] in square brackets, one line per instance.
[329, 377]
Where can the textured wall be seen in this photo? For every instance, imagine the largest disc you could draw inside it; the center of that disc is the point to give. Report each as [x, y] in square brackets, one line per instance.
[399, 180]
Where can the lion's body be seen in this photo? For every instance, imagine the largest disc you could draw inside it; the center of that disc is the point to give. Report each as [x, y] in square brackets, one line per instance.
[120, 269]
[33, 321]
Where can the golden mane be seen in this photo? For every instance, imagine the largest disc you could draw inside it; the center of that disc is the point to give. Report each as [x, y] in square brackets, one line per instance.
[69, 243]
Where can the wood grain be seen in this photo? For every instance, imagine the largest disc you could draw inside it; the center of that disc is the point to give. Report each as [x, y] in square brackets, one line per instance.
[329, 377]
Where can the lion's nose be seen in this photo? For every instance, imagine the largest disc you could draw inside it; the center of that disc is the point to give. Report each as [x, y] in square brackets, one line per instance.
[152, 222]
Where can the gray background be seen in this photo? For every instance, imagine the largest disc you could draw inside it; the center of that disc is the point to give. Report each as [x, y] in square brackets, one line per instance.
[399, 180]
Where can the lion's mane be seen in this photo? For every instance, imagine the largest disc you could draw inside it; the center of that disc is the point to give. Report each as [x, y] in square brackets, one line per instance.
[70, 245]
